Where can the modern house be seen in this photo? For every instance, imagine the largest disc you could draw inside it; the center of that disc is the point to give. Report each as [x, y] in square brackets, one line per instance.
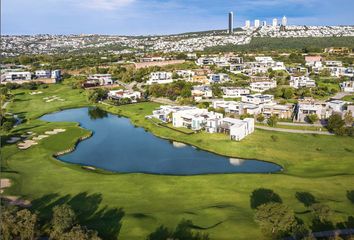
[120, 94]
[257, 98]
[160, 78]
[310, 106]
[236, 128]
[347, 86]
[16, 76]
[194, 119]
[202, 91]
[218, 77]
[234, 92]
[98, 79]
[301, 81]
[164, 113]
[261, 85]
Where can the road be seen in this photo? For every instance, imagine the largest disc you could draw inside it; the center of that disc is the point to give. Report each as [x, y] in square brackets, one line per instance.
[293, 130]
[340, 95]
[300, 124]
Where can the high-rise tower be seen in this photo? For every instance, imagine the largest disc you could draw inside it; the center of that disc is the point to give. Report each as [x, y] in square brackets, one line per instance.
[284, 21]
[275, 22]
[231, 22]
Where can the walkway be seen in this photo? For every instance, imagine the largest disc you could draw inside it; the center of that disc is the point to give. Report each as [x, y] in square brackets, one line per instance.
[163, 101]
[293, 130]
[340, 95]
[300, 124]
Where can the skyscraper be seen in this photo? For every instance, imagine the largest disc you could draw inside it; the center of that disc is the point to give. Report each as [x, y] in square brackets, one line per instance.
[264, 23]
[284, 21]
[257, 23]
[275, 22]
[247, 24]
[231, 22]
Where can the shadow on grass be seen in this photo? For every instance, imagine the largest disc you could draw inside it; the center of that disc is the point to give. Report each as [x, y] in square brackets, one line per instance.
[107, 221]
[306, 198]
[350, 196]
[262, 196]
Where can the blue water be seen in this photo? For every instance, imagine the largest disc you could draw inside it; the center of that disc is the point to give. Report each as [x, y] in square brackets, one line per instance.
[119, 146]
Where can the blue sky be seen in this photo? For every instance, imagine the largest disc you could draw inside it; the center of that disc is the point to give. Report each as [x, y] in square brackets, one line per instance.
[136, 17]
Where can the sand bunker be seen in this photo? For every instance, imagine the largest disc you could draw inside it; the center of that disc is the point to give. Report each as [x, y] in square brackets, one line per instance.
[26, 144]
[35, 93]
[53, 98]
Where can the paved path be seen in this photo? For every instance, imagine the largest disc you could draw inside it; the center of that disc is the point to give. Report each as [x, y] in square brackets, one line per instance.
[293, 130]
[340, 95]
[300, 124]
[5, 104]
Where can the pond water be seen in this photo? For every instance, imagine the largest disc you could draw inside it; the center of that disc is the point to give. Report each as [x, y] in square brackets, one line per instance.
[119, 146]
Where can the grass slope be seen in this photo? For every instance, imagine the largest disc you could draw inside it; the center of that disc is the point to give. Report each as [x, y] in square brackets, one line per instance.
[133, 205]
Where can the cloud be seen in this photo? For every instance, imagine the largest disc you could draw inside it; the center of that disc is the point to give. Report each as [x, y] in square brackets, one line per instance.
[105, 4]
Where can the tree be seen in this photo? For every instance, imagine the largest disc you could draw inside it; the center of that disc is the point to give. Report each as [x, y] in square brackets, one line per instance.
[7, 126]
[97, 95]
[63, 220]
[272, 121]
[288, 93]
[348, 118]
[312, 118]
[321, 212]
[335, 124]
[25, 225]
[262, 196]
[260, 118]
[80, 233]
[275, 219]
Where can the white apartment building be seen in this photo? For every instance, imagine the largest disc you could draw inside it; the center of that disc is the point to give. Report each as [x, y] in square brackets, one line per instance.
[234, 92]
[16, 76]
[120, 94]
[261, 86]
[257, 98]
[194, 119]
[305, 108]
[347, 86]
[257, 23]
[337, 105]
[160, 78]
[333, 63]
[301, 81]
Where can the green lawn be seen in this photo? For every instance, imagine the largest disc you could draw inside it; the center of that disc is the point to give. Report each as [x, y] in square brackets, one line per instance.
[133, 205]
[349, 98]
[297, 127]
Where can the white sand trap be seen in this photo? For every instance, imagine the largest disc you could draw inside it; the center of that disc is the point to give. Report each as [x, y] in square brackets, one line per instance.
[34, 93]
[26, 144]
[16, 201]
[13, 140]
[59, 130]
[40, 137]
[50, 132]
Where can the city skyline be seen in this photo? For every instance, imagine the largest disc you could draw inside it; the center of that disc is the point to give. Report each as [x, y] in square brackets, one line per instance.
[136, 17]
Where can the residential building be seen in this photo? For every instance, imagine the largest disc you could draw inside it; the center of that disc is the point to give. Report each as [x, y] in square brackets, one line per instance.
[347, 86]
[234, 92]
[186, 74]
[194, 119]
[284, 21]
[202, 92]
[218, 77]
[301, 81]
[42, 73]
[16, 76]
[236, 128]
[281, 111]
[313, 61]
[99, 79]
[275, 22]
[262, 85]
[247, 24]
[257, 98]
[56, 74]
[160, 78]
[200, 79]
[164, 112]
[120, 94]
[231, 22]
[257, 23]
[309, 106]
[333, 63]
[337, 105]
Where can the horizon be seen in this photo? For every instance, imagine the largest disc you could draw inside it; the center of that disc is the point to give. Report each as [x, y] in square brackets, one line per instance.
[172, 17]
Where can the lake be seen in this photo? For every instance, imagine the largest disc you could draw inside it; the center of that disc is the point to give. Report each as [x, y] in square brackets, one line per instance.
[117, 145]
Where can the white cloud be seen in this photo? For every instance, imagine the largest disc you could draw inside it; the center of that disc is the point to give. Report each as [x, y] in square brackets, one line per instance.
[105, 4]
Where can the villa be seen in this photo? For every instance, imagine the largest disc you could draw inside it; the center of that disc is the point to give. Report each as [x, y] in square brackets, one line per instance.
[199, 92]
[236, 128]
[301, 81]
[120, 94]
[347, 86]
[257, 98]
[261, 85]
[98, 79]
[234, 92]
[194, 119]
[164, 113]
[160, 78]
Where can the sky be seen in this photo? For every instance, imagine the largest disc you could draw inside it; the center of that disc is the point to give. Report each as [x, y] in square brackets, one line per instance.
[149, 17]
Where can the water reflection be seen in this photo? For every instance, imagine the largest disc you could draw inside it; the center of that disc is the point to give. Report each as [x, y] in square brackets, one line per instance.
[96, 113]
